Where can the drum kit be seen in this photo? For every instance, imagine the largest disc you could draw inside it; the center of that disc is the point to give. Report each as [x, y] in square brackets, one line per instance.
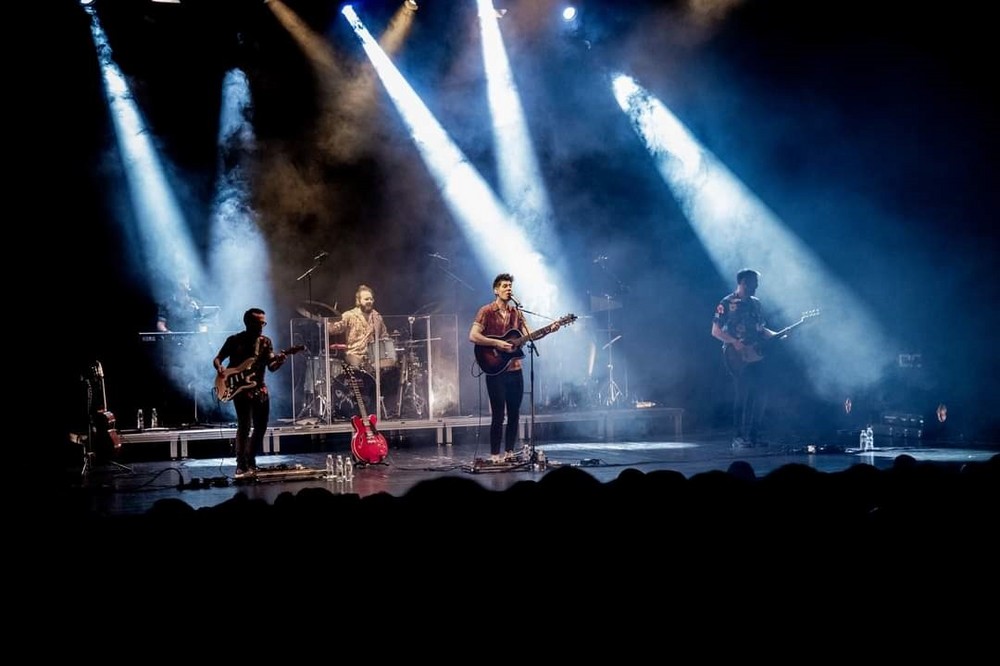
[393, 367]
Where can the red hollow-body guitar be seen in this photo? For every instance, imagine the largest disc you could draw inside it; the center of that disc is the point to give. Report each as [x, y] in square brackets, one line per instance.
[493, 361]
[368, 445]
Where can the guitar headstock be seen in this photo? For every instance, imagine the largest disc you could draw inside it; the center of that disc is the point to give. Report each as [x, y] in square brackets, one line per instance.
[809, 314]
[568, 319]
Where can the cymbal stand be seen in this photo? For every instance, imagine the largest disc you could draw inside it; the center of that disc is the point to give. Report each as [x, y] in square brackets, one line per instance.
[407, 379]
[613, 391]
[315, 395]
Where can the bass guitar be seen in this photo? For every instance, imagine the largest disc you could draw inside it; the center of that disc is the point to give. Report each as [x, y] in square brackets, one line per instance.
[737, 360]
[235, 380]
[368, 445]
[493, 361]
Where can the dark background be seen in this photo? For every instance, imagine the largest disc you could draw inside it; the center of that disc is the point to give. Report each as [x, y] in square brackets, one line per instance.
[868, 128]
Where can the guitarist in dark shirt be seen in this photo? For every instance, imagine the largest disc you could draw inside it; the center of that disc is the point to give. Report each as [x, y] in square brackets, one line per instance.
[739, 324]
[506, 387]
[253, 406]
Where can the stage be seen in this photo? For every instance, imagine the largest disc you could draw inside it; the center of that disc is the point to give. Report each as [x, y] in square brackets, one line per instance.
[197, 467]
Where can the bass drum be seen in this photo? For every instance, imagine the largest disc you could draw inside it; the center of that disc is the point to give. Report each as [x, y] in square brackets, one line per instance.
[344, 405]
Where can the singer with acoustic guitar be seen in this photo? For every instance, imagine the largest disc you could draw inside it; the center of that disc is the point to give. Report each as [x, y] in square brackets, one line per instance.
[497, 330]
[251, 354]
[739, 324]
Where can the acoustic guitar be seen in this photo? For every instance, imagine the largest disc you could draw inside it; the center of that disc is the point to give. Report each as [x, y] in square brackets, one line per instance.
[107, 439]
[493, 361]
[235, 380]
[368, 445]
[737, 360]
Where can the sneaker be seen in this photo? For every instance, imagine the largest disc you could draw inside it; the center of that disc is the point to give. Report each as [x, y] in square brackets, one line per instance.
[508, 456]
[495, 458]
[241, 474]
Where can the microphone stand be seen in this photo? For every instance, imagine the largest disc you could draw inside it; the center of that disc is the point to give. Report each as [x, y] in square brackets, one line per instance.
[533, 351]
[307, 276]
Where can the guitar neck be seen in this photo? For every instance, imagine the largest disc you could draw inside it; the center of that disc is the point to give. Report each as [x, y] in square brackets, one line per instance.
[788, 329]
[534, 335]
[357, 395]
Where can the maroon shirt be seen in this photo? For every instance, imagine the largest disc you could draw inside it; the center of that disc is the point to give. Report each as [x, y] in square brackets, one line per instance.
[490, 318]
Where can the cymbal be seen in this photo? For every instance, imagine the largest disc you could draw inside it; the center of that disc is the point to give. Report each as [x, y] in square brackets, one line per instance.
[317, 309]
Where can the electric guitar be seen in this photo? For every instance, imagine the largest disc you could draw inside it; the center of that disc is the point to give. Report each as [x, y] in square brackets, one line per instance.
[368, 445]
[738, 359]
[106, 433]
[493, 361]
[235, 380]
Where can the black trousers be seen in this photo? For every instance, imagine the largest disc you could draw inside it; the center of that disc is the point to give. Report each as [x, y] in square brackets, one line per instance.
[749, 401]
[506, 391]
[253, 411]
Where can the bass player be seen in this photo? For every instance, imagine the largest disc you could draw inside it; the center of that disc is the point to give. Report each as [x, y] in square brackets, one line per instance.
[739, 323]
[253, 406]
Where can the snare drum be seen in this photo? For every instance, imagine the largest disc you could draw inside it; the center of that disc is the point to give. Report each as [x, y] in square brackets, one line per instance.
[386, 356]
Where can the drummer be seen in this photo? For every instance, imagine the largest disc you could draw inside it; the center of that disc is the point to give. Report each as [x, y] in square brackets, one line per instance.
[362, 324]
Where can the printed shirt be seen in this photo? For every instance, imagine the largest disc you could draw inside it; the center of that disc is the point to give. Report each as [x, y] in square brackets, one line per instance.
[740, 317]
[241, 346]
[490, 318]
[360, 330]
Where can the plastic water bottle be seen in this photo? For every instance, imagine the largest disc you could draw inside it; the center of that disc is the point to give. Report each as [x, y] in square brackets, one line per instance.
[329, 466]
[871, 437]
[154, 421]
[340, 467]
[348, 469]
[139, 423]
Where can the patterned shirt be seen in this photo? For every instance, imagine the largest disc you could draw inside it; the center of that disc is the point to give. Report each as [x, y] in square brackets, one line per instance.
[360, 329]
[740, 317]
[244, 345]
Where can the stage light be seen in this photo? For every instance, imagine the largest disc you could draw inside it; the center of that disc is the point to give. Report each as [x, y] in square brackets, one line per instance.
[569, 14]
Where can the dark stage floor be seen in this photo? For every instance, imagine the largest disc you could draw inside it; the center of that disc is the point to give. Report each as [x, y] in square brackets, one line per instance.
[128, 488]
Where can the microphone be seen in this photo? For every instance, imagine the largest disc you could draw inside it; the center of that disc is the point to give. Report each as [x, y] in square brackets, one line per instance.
[514, 300]
[437, 256]
[321, 256]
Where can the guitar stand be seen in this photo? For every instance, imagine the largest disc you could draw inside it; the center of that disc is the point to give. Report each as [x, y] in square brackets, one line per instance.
[88, 463]
[90, 456]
